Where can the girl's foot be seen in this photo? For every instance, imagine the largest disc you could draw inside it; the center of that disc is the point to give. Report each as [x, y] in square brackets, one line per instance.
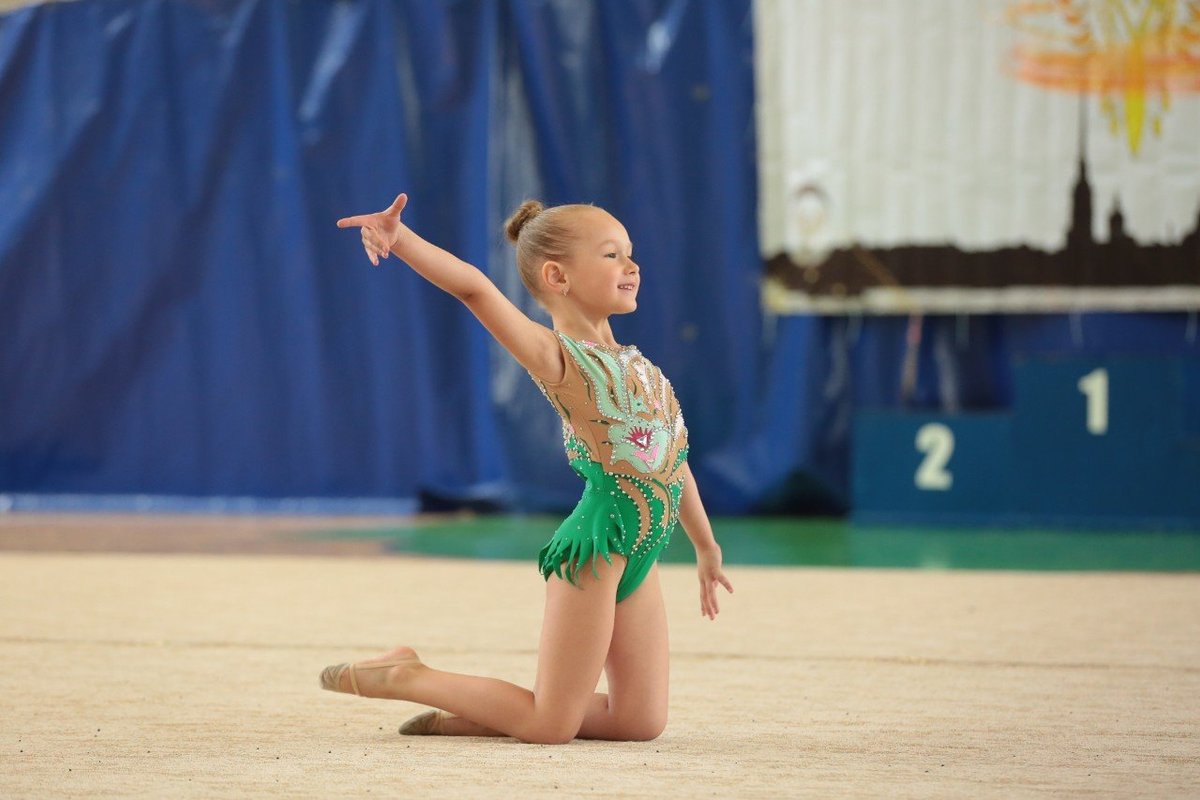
[443, 723]
[382, 676]
[427, 724]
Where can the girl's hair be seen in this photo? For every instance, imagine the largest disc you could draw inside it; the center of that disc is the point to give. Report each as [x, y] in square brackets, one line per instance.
[541, 234]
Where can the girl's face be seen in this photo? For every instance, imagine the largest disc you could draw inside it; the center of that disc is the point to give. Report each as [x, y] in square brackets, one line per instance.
[602, 273]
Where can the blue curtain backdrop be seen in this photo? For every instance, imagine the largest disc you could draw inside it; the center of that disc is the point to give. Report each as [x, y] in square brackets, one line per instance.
[181, 317]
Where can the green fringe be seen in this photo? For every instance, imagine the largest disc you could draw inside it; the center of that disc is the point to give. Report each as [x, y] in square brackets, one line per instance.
[600, 525]
[605, 521]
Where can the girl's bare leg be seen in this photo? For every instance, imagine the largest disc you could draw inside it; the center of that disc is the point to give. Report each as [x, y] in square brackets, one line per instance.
[460, 726]
[576, 632]
[637, 666]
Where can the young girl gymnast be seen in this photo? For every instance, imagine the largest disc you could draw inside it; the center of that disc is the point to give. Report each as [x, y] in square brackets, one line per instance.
[624, 435]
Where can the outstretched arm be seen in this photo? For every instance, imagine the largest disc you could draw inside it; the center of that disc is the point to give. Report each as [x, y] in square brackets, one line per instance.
[533, 345]
[708, 553]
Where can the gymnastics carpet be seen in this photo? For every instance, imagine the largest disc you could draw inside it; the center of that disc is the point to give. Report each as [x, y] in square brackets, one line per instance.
[186, 666]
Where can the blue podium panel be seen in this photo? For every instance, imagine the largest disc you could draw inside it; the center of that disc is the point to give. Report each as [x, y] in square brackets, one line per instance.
[1191, 401]
[926, 466]
[1184, 461]
[1100, 439]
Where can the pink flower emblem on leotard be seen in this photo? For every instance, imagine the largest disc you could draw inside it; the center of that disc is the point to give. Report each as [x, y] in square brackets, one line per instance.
[639, 438]
[642, 439]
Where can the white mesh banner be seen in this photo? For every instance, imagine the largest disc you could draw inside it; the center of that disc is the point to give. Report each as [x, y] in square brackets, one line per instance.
[914, 152]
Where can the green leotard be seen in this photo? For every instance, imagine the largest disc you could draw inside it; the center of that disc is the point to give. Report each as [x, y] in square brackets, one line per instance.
[624, 435]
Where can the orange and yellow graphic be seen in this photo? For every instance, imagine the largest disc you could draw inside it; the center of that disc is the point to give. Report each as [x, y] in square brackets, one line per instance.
[1126, 52]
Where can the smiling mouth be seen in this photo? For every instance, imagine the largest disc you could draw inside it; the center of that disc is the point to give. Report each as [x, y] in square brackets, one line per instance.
[629, 287]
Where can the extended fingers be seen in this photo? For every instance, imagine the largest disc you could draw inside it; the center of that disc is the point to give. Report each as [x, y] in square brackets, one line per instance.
[371, 249]
[398, 204]
[361, 220]
[354, 222]
[709, 607]
[373, 244]
[708, 599]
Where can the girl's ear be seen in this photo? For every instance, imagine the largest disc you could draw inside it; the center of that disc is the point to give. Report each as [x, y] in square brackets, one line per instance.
[554, 278]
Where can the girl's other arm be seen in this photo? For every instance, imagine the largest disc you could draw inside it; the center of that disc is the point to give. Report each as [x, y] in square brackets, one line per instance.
[534, 346]
[708, 553]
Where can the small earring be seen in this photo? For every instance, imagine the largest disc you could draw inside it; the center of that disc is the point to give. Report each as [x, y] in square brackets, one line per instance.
[565, 290]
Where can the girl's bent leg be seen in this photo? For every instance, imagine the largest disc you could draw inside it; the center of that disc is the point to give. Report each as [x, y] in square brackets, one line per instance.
[638, 668]
[576, 632]
[459, 726]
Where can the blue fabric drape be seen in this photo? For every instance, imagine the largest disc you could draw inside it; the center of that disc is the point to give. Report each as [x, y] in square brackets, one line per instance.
[180, 315]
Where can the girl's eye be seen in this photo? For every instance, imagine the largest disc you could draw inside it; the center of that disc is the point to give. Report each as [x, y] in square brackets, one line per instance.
[610, 255]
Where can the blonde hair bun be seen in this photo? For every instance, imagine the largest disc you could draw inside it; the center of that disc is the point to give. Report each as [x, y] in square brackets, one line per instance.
[521, 217]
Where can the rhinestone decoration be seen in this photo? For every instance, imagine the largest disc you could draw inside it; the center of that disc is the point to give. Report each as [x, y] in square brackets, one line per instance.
[622, 392]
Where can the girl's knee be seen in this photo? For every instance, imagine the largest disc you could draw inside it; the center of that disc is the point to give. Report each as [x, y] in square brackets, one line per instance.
[549, 734]
[642, 728]
[551, 730]
[647, 730]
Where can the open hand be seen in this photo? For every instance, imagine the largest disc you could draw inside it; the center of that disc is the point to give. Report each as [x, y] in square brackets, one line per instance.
[380, 230]
[709, 563]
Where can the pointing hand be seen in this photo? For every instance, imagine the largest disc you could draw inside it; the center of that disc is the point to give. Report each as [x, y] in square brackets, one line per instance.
[381, 230]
